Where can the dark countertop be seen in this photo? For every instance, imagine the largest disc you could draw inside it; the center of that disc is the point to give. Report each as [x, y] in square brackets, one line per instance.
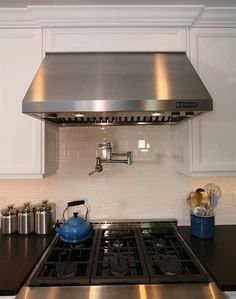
[18, 256]
[218, 254]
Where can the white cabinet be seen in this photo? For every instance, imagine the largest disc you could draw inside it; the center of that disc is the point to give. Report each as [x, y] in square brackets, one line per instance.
[22, 139]
[212, 137]
[231, 295]
[114, 39]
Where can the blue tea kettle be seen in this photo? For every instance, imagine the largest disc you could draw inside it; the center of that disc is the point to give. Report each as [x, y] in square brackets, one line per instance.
[76, 229]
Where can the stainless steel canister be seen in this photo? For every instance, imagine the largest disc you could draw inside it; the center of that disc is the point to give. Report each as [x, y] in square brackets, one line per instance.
[26, 219]
[45, 217]
[9, 220]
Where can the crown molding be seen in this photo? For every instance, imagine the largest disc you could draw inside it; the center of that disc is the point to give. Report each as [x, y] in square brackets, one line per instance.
[17, 17]
[216, 17]
[118, 16]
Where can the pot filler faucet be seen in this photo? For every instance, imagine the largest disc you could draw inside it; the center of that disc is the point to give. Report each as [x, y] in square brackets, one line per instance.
[110, 158]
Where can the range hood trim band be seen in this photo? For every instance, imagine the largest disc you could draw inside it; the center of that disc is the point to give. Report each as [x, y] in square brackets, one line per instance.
[115, 106]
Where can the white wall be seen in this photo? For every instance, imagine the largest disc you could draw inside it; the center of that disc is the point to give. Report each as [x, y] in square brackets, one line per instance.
[149, 188]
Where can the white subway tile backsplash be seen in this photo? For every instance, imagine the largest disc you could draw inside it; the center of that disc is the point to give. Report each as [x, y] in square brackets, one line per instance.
[149, 188]
[2, 202]
[224, 210]
[226, 199]
[234, 197]
[225, 219]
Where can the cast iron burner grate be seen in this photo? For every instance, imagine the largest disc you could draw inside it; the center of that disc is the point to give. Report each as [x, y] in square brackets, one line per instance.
[121, 254]
[167, 258]
[67, 264]
[118, 258]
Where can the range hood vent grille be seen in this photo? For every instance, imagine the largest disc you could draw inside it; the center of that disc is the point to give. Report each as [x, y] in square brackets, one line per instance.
[114, 119]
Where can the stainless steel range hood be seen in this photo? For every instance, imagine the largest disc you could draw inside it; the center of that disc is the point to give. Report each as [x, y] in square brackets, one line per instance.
[72, 89]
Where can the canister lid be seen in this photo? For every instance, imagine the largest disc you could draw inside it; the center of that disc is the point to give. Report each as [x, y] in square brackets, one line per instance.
[45, 206]
[10, 211]
[27, 208]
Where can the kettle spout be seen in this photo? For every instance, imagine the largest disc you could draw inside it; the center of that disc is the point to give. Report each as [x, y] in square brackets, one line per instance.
[57, 227]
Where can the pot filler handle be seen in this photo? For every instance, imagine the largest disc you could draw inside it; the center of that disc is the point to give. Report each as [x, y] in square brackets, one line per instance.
[76, 203]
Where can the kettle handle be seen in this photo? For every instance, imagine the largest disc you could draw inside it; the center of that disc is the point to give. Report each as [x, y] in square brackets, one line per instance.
[76, 203]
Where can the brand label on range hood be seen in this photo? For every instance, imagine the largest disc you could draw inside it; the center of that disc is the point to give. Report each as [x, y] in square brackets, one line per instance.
[186, 104]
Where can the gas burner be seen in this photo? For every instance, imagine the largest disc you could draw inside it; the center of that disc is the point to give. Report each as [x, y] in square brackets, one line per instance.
[170, 265]
[106, 251]
[118, 265]
[159, 242]
[118, 243]
[106, 233]
[65, 269]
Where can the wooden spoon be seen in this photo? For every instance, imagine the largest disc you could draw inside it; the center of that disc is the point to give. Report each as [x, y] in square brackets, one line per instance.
[199, 198]
[193, 199]
[189, 203]
[205, 197]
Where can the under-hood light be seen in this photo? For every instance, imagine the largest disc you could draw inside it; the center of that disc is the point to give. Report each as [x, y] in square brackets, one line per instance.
[156, 114]
[79, 115]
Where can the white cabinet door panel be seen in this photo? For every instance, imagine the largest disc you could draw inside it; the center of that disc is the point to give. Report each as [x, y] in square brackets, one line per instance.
[114, 39]
[213, 54]
[20, 135]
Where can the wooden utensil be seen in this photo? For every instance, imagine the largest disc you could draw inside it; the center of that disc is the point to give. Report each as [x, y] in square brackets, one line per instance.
[199, 198]
[193, 199]
[205, 197]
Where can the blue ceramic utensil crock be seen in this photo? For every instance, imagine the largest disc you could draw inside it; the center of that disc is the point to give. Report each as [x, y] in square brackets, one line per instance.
[202, 226]
[76, 229]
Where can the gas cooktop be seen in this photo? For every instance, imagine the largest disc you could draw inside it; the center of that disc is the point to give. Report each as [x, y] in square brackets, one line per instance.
[121, 253]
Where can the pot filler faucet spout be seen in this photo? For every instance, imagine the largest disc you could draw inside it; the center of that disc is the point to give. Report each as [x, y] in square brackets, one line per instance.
[110, 158]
